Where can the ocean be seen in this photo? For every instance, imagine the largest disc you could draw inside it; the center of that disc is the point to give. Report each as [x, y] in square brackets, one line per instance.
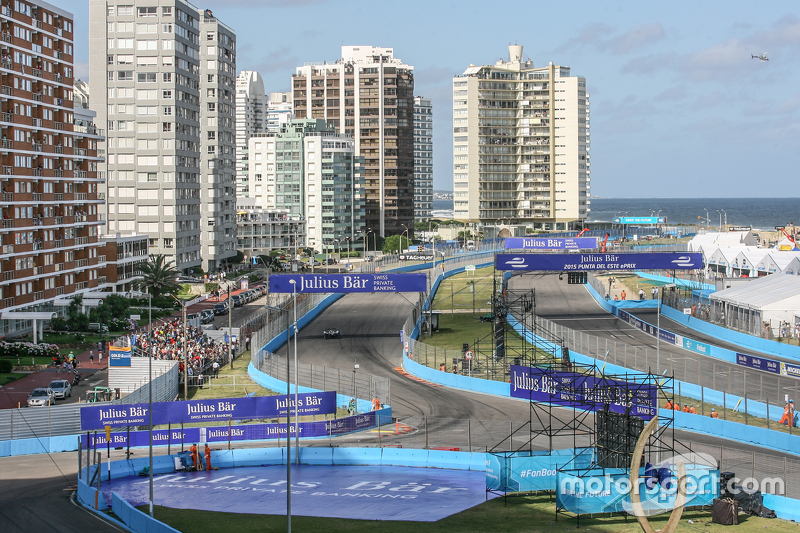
[760, 213]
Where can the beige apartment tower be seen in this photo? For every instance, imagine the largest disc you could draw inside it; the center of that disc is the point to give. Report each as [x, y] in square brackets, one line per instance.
[521, 144]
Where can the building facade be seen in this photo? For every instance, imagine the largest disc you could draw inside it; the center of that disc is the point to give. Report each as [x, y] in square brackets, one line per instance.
[251, 116]
[123, 257]
[262, 231]
[144, 60]
[217, 142]
[369, 95]
[279, 111]
[310, 170]
[423, 158]
[521, 144]
[51, 210]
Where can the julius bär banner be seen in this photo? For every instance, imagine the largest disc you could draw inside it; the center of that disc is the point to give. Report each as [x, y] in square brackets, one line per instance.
[570, 389]
[585, 262]
[539, 243]
[340, 283]
[220, 410]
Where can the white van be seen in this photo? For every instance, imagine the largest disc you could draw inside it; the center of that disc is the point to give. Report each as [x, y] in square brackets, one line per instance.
[470, 245]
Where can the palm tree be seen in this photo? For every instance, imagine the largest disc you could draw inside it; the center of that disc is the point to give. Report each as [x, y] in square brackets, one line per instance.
[158, 275]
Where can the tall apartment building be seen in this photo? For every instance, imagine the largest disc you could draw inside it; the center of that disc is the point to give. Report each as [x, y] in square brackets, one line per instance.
[423, 158]
[521, 144]
[309, 170]
[279, 111]
[48, 167]
[217, 141]
[145, 68]
[251, 116]
[369, 95]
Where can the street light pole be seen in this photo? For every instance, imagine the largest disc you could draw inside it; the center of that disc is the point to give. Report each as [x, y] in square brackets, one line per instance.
[185, 353]
[230, 327]
[150, 396]
[296, 381]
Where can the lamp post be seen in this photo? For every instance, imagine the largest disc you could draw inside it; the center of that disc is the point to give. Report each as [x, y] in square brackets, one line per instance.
[348, 252]
[374, 240]
[726, 217]
[720, 219]
[708, 220]
[288, 421]
[185, 354]
[296, 382]
[230, 327]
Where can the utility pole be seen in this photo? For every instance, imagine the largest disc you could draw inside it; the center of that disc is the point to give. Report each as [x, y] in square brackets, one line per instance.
[230, 327]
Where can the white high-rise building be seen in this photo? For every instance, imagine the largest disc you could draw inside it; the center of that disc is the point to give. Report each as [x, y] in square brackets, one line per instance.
[217, 141]
[279, 111]
[521, 144]
[251, 116]
[145, 69]
[423, 158]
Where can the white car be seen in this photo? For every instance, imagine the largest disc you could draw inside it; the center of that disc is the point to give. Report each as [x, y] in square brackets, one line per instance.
[61, 388]
[41, 396]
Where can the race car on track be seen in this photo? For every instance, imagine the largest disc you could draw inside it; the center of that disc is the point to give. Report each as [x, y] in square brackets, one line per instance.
[331, 333]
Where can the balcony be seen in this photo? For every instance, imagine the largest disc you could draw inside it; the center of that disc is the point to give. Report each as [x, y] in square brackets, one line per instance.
[58, 197]
[81, 174]
[81, 263]
[81, 195]
[59, 221]
[38, 271]
[59, 291]
[101, 259]
[5, 116]
[81, 240]
[59, 149]
[8, 302]
[7, 90]
[8, 223]
[37, 97]
[59, 243]
[37, 72]
[8, 249]
[101, 280]
[7, 63]
[8, 275]
[37, 197]
[7, 144]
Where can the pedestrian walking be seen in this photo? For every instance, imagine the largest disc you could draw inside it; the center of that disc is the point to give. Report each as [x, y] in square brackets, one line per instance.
[208, 457]
[91, 356]
[100, 356]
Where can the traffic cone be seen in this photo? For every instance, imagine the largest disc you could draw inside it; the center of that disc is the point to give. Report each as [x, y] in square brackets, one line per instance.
[397, 426]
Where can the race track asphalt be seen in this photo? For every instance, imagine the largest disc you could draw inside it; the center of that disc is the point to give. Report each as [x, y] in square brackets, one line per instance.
[573, 307]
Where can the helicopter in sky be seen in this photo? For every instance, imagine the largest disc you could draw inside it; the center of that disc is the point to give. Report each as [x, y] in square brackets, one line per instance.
[763, 57]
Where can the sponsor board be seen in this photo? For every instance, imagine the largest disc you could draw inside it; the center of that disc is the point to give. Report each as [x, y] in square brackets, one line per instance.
[119, 356]
[220, 410]
[570, 389]
[601, 261]
[639, 220]
[344, 283]
[539, 243]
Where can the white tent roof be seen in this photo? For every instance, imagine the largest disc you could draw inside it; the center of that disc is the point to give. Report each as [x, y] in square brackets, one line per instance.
[763, 292]
[793, 267]
[749, 257]
[725, 255]
[775, 261]
[728, 238]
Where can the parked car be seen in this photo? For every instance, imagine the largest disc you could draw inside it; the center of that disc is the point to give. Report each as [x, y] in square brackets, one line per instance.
[206, 316]
[61, 388]
[192, 316]
[220, 308]
[41, 396]
[238, 300]
[331, 333]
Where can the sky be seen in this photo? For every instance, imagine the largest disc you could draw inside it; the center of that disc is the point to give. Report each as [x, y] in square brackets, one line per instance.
[678, 107]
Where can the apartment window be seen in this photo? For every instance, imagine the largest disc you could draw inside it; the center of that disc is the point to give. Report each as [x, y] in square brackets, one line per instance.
[147, 12]
[166, 11]
[147, 144]
[124, 11]
[147, 28]
[166, 95]
[110, 60]
[149, 110]
[146, 61]
[111, 11]
[166, 126]
[124, 60]
[212, 106]
[167, 110]
[211, 78]
[212, 135]
[125, 75]
[167, 77]
[150, 44]
[146, 94]
[210, 35]
[146, 77]
[124, 43]
[166, 28]
[166, 61]
[166, 44]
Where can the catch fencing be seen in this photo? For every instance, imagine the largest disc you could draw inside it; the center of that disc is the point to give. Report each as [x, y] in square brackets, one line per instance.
[349, 383]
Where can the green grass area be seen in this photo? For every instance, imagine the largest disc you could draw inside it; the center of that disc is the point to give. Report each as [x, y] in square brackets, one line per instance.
[528, 513]
[5, 379]
[466, 291]
[27, 360]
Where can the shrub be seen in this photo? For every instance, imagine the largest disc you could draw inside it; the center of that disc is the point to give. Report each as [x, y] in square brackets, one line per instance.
[6, 366]
[27, 349]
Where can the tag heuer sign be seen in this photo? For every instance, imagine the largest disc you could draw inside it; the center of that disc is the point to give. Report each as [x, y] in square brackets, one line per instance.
[740, 228]
[417, 256]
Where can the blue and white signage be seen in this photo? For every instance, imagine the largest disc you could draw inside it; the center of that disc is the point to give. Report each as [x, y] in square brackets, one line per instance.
[539, 243]
[341, 283]
[590, 262]
[313, 403]
[639, 220]
[570, 389]
[119, 356]
[768, 365]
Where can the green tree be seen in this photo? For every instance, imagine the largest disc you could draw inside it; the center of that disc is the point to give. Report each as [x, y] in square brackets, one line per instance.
[76, 320]
[238, 258]
[395, 243]
[158, 275]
